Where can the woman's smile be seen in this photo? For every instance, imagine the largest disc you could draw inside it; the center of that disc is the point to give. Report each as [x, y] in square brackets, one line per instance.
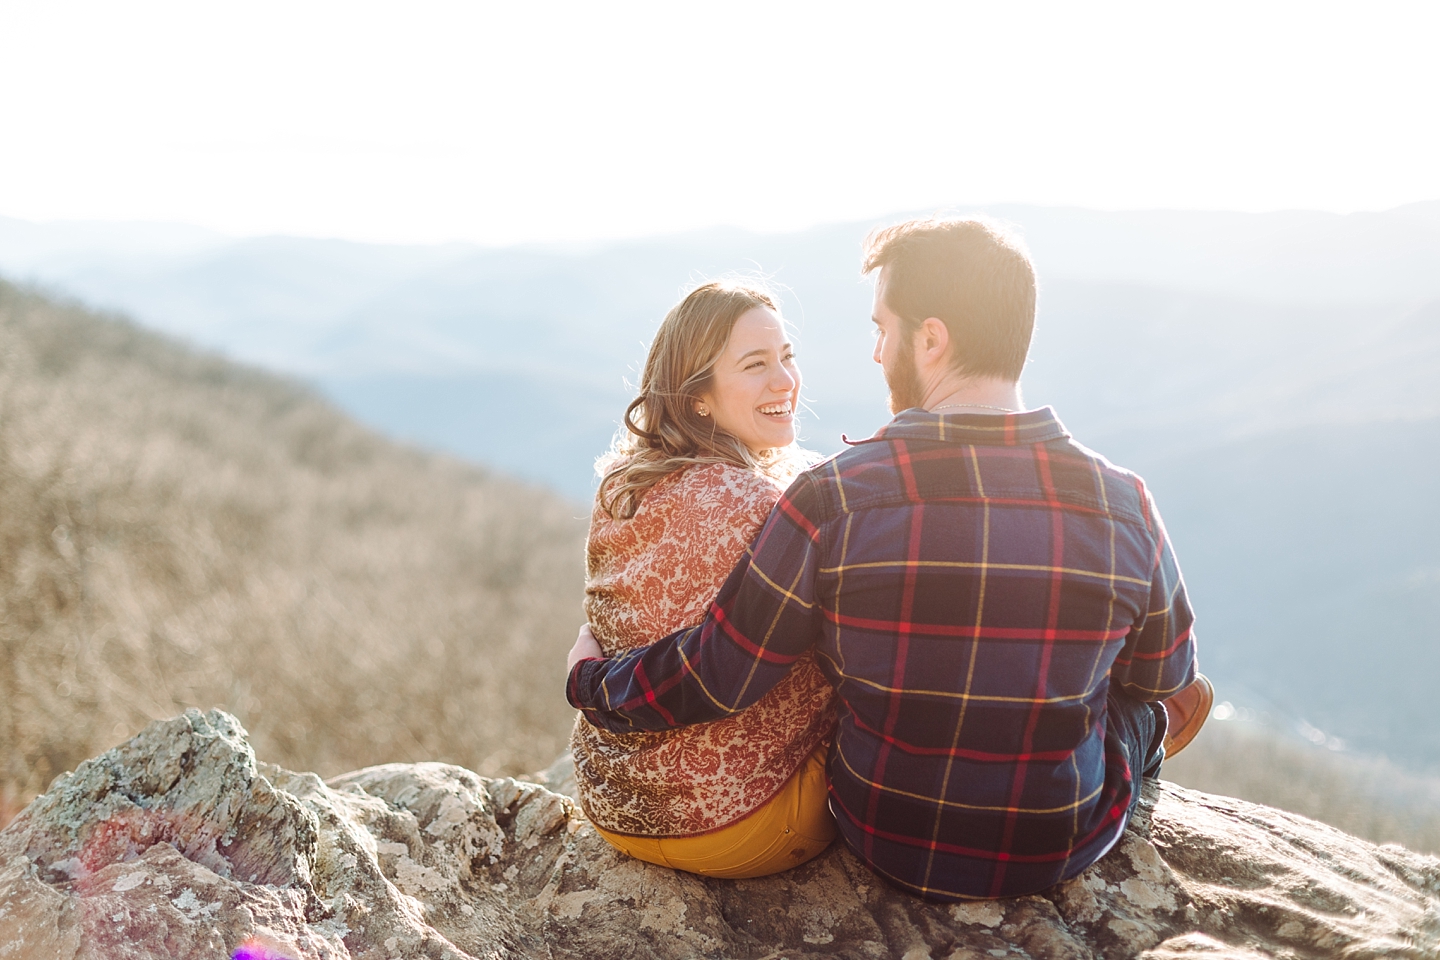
[777, 411]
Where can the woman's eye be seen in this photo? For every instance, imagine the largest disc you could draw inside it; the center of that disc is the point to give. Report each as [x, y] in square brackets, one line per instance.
[756, 365]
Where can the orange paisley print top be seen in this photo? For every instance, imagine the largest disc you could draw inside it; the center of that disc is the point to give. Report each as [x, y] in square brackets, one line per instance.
[648, 577]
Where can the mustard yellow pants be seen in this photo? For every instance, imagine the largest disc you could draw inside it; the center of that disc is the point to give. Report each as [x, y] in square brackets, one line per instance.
[785, 832]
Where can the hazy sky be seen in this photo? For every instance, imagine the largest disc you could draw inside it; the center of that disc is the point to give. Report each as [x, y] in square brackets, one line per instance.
[422, 121]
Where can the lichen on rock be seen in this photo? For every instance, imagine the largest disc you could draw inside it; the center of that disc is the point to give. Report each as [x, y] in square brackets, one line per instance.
[180, 844]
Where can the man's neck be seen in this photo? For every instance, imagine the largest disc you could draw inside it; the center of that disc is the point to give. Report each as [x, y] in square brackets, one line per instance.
[978, 395]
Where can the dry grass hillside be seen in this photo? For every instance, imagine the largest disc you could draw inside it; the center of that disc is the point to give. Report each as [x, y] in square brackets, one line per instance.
[1369, 797]
[177, 530]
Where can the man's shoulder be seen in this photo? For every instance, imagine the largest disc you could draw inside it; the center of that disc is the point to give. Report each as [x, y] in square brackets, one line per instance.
[869, 474]
[855, 455]
[863, 476]
[1116, 489]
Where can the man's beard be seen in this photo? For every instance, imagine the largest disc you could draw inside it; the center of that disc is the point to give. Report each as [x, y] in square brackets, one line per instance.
[904, 380]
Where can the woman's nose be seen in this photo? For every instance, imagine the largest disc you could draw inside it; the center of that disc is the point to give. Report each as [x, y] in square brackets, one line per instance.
[784, 381]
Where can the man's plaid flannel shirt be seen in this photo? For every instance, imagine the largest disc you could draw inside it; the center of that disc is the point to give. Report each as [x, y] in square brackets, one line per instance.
[974, 586]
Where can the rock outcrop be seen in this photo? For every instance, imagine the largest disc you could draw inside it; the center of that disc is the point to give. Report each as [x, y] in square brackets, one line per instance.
[179, 844]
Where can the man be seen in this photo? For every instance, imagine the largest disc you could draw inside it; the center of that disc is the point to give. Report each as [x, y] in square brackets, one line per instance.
[998, 608]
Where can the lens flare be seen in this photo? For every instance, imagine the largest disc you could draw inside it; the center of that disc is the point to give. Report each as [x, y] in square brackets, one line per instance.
[255, 949]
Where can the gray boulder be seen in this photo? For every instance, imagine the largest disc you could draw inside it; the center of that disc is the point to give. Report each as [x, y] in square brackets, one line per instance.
[179, 844]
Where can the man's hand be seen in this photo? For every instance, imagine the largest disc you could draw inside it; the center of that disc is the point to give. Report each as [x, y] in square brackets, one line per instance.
[586, 647]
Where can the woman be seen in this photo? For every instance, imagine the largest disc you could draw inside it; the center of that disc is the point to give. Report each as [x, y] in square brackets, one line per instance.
[709, 444]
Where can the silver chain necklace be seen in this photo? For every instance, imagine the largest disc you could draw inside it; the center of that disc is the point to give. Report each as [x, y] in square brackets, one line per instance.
[984, 406]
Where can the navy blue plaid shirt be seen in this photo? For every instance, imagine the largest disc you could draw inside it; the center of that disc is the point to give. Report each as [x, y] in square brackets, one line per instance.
[973, 585]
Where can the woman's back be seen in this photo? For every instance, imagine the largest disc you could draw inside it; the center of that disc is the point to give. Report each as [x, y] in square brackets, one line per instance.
[652, 574]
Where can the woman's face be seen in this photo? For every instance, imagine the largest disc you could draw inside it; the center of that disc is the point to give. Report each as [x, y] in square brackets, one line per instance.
[755, 387]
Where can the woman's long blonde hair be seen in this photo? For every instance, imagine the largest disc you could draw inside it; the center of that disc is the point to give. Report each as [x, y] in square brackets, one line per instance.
[661, 431]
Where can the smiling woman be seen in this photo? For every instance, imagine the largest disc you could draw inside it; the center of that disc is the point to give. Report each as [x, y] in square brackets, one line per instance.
[710, 443]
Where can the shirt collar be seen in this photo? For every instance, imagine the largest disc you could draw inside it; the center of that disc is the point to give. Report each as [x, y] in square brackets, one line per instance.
[993, 429]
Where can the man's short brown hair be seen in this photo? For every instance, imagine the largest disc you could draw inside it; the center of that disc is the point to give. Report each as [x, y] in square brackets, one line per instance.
[970, 274]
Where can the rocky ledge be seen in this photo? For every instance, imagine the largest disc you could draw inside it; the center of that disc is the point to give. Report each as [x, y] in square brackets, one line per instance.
[179, 844]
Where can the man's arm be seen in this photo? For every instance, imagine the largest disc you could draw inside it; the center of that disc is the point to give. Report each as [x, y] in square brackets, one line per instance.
[1158, 658]
[765, 617]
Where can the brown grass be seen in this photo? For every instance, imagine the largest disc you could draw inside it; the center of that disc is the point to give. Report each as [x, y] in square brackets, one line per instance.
[10, 806]
[1366, 796]
[176, 531]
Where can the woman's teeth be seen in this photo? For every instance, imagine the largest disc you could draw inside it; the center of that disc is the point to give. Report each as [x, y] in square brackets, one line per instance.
[776, 410]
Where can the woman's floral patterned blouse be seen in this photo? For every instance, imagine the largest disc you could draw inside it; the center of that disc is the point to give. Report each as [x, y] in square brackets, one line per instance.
[649, 576]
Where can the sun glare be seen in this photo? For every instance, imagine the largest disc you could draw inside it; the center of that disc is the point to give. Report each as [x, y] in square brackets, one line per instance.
[564, 121]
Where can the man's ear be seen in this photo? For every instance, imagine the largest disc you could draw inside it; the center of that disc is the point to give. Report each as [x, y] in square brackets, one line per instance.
[934, 338]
